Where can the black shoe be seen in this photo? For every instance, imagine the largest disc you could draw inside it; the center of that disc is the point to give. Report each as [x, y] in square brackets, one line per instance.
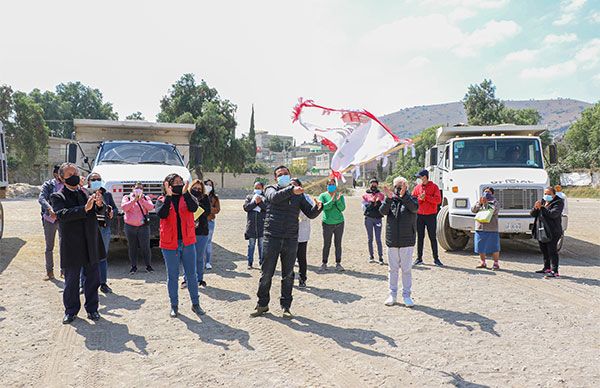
[543, 270]
[418, 262]
[302, 283]
[438, 263]
[133, 270]
[105, 288]
[197, 309]
[202, 283]
[94, 316]
[149, 268]
[68, 318]
[173, 313]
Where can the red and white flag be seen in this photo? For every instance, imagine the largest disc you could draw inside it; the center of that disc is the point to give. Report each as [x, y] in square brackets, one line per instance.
[355, 136]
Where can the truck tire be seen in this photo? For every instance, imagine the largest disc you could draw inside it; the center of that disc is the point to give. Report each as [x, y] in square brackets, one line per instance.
[448, 238]
[1, 220]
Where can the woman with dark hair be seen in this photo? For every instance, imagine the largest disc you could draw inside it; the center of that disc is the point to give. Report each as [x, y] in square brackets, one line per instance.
[201, 222]
[215, 208]
[136, 207]
[548, 217]
[178, 238]
[487, 238]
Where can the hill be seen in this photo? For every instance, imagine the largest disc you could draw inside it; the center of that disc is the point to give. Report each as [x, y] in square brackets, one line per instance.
[558, 114]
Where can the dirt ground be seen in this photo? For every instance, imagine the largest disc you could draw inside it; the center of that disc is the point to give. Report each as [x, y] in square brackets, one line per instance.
[470, 327]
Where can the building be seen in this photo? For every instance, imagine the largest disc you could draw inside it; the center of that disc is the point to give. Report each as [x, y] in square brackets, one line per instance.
[263, 139]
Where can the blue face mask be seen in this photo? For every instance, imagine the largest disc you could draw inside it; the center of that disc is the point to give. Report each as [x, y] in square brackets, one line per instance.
[548, 198]
[257, 192]
[489, 196]
[284, 180]
[95, 185]
[331, 188]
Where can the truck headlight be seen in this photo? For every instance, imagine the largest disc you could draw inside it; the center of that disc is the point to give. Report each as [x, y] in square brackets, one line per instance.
[461, 203]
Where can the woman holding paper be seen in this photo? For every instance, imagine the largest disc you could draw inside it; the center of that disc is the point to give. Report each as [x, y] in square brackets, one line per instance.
[201, 223]
[487, 238]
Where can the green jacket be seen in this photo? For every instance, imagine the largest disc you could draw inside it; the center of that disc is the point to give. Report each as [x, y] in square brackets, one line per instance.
[332, 210]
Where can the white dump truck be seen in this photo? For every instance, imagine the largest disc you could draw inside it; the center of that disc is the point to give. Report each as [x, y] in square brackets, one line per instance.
[508, 158]
[3, 175]
[126, 152]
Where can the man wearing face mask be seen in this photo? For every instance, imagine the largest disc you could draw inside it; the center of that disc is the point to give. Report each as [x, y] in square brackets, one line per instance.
[371, 202]
[256, 208]
[104, 222]
[429, 197]
[80, 243]
[284, 203]
[548, 214]
[400, 208]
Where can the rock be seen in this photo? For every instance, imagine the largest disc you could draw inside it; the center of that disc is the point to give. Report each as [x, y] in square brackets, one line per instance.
[23, 190]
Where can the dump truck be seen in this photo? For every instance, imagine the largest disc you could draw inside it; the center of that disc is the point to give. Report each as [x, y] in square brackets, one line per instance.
[507, 157]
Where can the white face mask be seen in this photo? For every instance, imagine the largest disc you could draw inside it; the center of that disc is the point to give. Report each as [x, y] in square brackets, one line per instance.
[207, 189]
[419, 181]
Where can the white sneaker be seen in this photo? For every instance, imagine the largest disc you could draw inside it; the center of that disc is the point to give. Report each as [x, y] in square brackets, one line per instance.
[208, 266]
[390, 301]
[408, 302]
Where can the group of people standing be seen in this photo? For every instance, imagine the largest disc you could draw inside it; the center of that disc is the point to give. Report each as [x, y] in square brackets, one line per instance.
[278, 223]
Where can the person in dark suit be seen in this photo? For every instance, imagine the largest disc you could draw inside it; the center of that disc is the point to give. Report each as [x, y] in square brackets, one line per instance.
[80, 242]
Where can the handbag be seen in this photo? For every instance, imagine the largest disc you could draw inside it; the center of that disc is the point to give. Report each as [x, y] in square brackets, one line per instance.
[542, 231]
[146, 220]
[484, 216]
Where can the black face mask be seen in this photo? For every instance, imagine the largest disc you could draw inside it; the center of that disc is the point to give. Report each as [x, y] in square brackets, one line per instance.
[73, 180]
[374, 189]
[177, 189]
[196, 192]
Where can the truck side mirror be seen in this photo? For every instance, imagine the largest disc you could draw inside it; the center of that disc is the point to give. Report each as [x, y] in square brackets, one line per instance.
[553, 154]
[72, 153]
[433, 156]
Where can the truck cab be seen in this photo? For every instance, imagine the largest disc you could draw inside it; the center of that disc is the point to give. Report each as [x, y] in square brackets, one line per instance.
[507, 157]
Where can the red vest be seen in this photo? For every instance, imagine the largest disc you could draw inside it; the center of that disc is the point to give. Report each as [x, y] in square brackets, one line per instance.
[168, 226]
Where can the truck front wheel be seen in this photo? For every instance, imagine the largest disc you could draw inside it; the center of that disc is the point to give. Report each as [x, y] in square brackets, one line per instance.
[448, 238]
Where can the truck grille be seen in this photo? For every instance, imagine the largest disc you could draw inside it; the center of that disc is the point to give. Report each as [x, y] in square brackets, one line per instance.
[518, 199]
[151, 189]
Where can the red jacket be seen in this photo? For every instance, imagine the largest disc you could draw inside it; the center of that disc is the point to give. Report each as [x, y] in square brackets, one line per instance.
[433, 198]
[168, 227]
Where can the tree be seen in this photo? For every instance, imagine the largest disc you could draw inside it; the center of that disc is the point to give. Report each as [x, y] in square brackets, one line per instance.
[583, 140]
[277, 144]
[6, 103]
[136, 116]
[481, 105]
[406, 165]
[252, 136]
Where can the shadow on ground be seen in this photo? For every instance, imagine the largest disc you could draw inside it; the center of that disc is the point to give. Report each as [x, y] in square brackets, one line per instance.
[216, 333]
[109, 336]
[460, 319]
[9, 248]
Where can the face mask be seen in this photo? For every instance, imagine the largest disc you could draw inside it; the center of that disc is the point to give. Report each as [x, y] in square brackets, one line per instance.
[95, 185]
[207, 189]
[419, 181]
[374, 189]
[331, 188]
[548, 198]
[177, 189]
[489, 196]
[195, 192]
[284, 180]
[137, 192]
[73, 180]
[257, 191]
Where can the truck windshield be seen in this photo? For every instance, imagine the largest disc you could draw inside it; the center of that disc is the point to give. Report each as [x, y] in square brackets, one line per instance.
[139, 153]
[498, 153]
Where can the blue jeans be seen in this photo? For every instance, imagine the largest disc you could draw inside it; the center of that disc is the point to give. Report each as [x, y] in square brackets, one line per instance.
[373, 226]
[201, 242]
[103, 264]
[251, 245]
[187, 256]
[211, 231]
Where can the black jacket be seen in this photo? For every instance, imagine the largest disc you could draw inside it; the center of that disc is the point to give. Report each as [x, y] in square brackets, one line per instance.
[79, 233]
[202, 221]
[283, 209]
[372, 208]
[401, 224]
[255, 221]
[552, 215]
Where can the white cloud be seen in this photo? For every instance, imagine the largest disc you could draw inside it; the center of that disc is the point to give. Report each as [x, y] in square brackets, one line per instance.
[482, 4]
[596, 79]
[492, 33]
[460, 14]
[553, 71]
[594, 17]
[589, 55]
[523, 56]
[558, 39]
[568, 9]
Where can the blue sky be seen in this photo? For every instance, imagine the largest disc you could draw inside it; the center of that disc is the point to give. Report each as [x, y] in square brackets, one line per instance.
[379, 55]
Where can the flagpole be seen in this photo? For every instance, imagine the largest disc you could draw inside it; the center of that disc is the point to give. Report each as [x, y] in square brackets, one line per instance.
[390, 151]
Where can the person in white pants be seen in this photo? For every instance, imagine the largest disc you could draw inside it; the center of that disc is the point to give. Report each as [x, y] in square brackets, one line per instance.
[400, 210]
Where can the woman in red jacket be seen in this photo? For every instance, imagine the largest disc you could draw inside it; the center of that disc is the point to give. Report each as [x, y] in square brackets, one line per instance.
[178, 238]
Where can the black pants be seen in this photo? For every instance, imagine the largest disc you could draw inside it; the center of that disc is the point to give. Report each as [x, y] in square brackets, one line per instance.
[274, 247]
[550, 252]
[71, 297]
[428, 221]
[301, 256]
[337, 232]
[138, 243]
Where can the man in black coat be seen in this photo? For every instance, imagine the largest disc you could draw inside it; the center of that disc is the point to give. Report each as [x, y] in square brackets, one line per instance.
[284, 203]
[548, 212]
[400, 236]
[80, 242]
